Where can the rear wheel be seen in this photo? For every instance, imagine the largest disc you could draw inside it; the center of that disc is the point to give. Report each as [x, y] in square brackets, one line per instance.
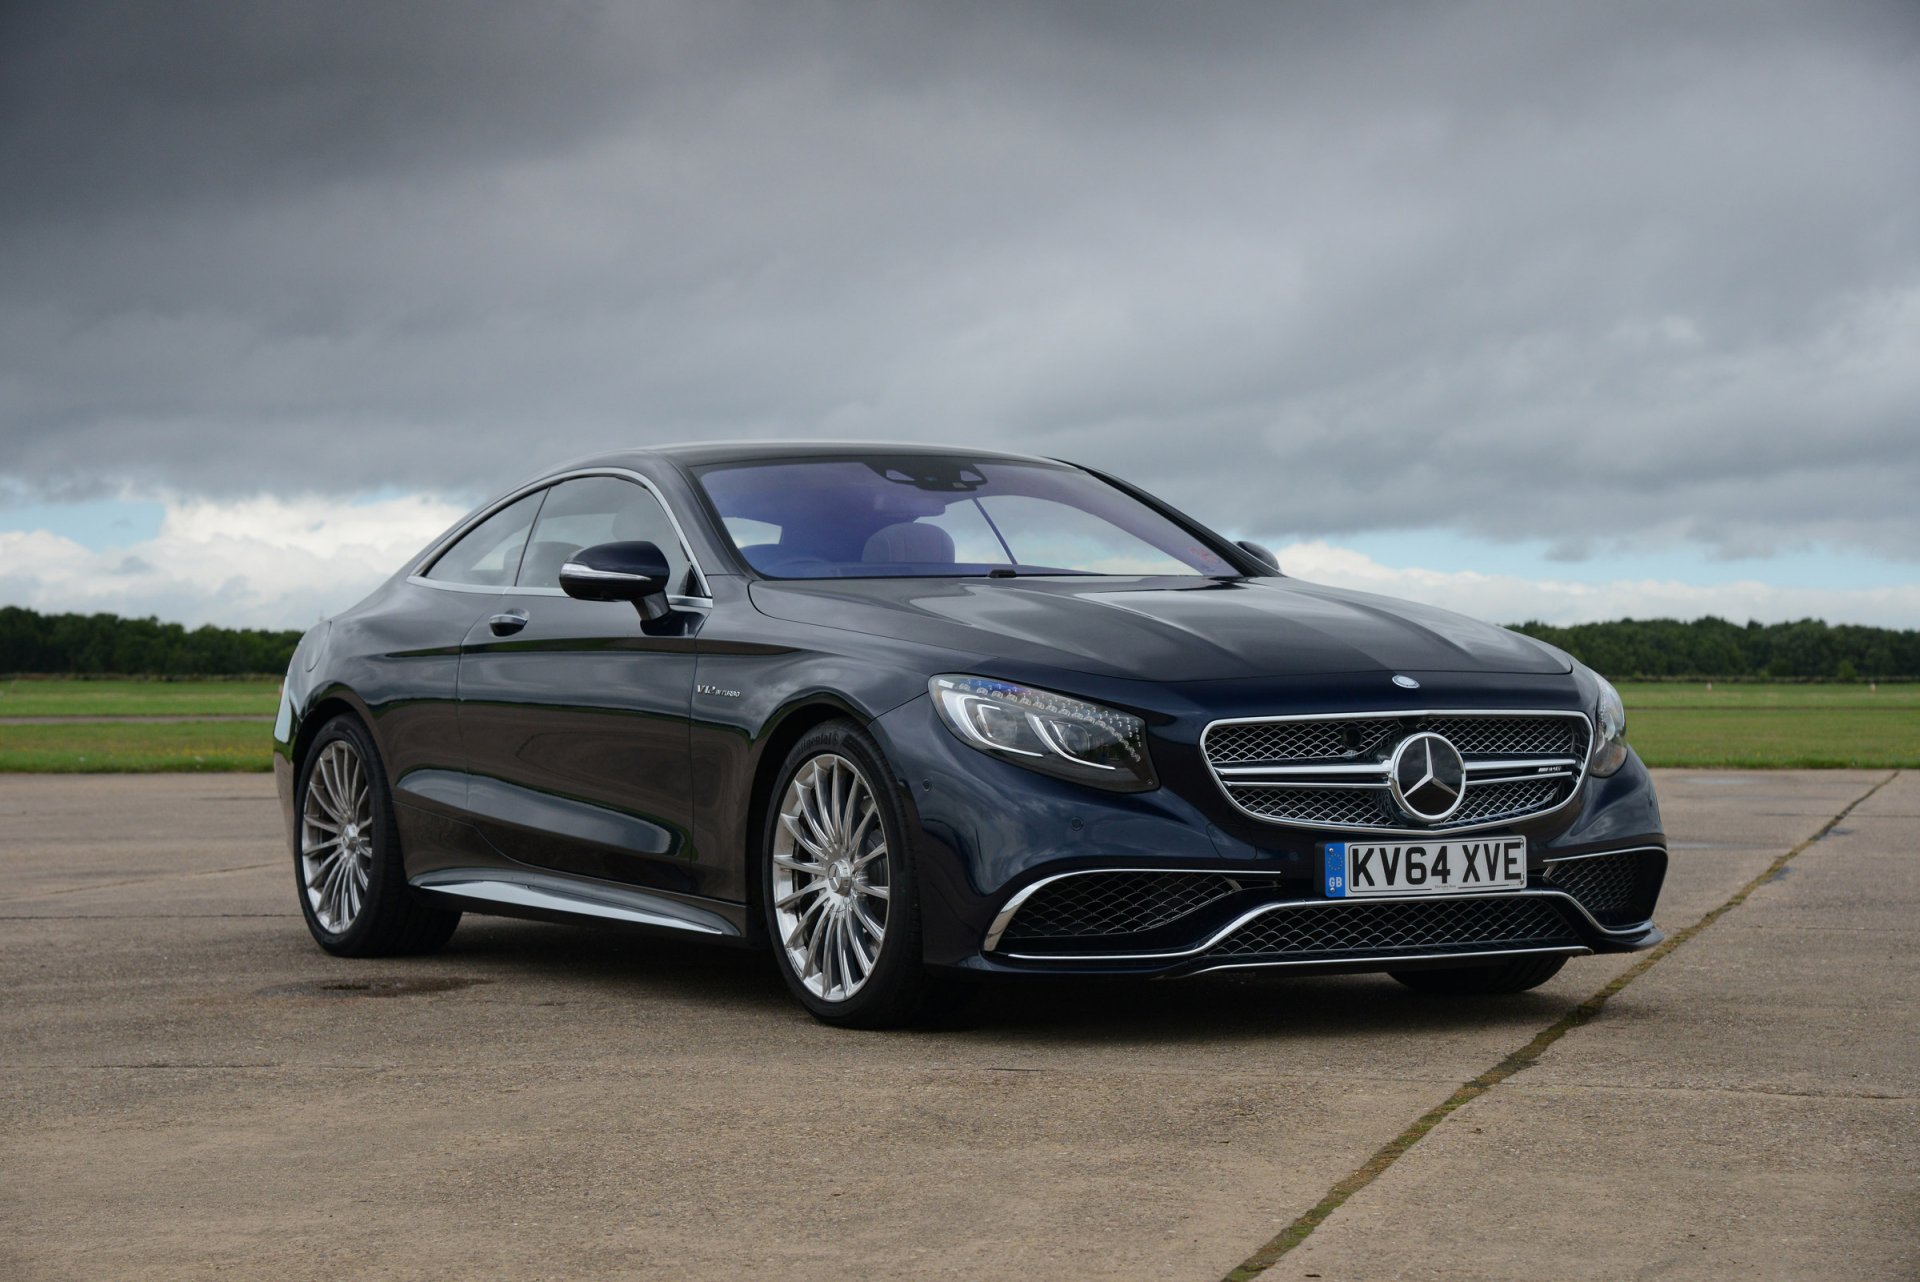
[1514, 976]
[838, 883]
[352, 882]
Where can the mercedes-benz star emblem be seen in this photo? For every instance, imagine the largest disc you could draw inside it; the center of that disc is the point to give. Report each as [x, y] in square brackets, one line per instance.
[1427, 777]
[1405, 682]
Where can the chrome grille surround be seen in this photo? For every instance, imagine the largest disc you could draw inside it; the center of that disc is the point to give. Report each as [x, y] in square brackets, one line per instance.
[1115, 903]
[1329, 770]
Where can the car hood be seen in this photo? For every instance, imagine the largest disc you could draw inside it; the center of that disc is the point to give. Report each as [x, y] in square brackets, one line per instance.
[1163, 629]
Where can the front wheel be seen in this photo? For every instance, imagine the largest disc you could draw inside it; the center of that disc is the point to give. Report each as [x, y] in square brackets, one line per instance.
[1516, 975]
[838, 883]
[353, 885]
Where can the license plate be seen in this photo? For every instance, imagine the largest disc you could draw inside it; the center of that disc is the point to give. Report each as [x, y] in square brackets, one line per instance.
[1359, 868]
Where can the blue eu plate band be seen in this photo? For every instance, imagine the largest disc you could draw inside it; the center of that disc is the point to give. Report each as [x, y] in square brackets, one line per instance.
[1336, 869]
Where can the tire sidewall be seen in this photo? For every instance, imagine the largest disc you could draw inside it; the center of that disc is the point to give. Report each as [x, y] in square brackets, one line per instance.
[892, 986]
[386, 842]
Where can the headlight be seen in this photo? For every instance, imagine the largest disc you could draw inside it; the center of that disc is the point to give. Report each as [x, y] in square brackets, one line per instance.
[1047, 732]
[1609, 729]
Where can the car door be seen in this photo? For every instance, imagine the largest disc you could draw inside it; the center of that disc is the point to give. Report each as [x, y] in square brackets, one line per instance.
[573, 714]
[412, 638]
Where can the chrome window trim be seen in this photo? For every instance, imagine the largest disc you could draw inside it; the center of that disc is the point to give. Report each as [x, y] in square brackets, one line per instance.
[434, 553]
[1005, 915]
[1227, 785]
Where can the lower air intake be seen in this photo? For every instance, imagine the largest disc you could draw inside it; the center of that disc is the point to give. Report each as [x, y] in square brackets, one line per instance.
[1361, 929]
[1115, 903]
[1605, 885]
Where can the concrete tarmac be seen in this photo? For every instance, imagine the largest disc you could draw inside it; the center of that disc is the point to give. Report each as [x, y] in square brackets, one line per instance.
[191, 1088]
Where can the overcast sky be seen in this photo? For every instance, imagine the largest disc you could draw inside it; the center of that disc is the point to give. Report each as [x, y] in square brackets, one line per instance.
[1533, 309]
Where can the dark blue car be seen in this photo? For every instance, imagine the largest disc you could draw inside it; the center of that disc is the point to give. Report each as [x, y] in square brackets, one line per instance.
[907, 715]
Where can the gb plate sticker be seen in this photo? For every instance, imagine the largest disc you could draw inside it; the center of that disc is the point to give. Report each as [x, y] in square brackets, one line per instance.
[1336, 869]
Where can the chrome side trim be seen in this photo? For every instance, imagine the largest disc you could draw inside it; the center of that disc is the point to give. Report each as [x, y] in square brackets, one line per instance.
[1393, 714]
[1261, 910]
[696, 601]
[558, 894]
[1567, 950]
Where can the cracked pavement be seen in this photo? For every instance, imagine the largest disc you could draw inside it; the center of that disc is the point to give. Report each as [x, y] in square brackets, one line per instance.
[191, 1087]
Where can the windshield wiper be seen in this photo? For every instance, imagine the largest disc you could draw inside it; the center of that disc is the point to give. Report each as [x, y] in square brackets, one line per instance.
[1036, 571]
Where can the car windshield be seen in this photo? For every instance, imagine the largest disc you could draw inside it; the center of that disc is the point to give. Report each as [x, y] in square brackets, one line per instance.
[875, 516]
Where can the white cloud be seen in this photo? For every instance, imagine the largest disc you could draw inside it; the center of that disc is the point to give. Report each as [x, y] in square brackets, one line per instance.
[260, 562]
[272, 562]
[1503, 598]
[1575, 274]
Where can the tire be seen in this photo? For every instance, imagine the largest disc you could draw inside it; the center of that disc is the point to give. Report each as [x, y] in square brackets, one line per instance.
[831, 870]
[357, 904]
[1515, 976]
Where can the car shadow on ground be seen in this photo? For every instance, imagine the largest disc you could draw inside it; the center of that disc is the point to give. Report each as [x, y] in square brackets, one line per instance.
[612, 963]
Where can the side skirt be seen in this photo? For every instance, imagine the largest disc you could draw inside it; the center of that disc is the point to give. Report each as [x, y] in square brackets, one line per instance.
[549, 898]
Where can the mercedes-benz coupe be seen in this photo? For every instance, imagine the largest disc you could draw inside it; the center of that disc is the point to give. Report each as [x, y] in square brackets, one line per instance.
[905, 715]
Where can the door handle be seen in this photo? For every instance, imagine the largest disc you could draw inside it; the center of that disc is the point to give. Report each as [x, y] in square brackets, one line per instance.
[508, 623]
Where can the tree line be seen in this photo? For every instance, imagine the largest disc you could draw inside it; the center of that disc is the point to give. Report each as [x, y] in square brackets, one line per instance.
[106, 644]
[1626, 649]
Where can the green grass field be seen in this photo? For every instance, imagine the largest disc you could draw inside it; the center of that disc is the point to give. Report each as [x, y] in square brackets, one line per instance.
[1669, 724]
[136, 747]
[1774, 726]
[115, 698]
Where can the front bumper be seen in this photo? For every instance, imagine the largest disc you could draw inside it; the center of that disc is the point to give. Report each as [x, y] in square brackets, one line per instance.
[1005, 855]
[1188, 922]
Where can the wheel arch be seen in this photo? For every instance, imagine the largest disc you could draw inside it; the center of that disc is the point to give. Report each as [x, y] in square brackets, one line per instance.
[792, 725]
[323, 709]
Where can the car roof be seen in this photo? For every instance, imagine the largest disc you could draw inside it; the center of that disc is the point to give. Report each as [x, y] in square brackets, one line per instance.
[704, 453]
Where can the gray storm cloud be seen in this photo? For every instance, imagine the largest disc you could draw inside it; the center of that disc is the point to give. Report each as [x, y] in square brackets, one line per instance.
[1572, 272]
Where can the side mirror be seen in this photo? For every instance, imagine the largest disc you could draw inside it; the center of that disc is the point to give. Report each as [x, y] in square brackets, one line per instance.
[632, 572]
[1258, 552]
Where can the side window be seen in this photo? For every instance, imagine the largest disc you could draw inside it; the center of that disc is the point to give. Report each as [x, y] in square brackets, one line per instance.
[598, 509]
[488, 555]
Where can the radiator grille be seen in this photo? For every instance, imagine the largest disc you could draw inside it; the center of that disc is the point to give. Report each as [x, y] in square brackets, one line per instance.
[1363, 929]
[1489, 801]
[1300, 746]
[1263, 741]
[1333, 807]
[1513, 736]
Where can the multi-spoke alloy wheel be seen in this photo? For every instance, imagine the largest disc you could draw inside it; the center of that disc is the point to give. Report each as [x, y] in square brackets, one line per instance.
[351, 877]
[336, 836]
[831, 883]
